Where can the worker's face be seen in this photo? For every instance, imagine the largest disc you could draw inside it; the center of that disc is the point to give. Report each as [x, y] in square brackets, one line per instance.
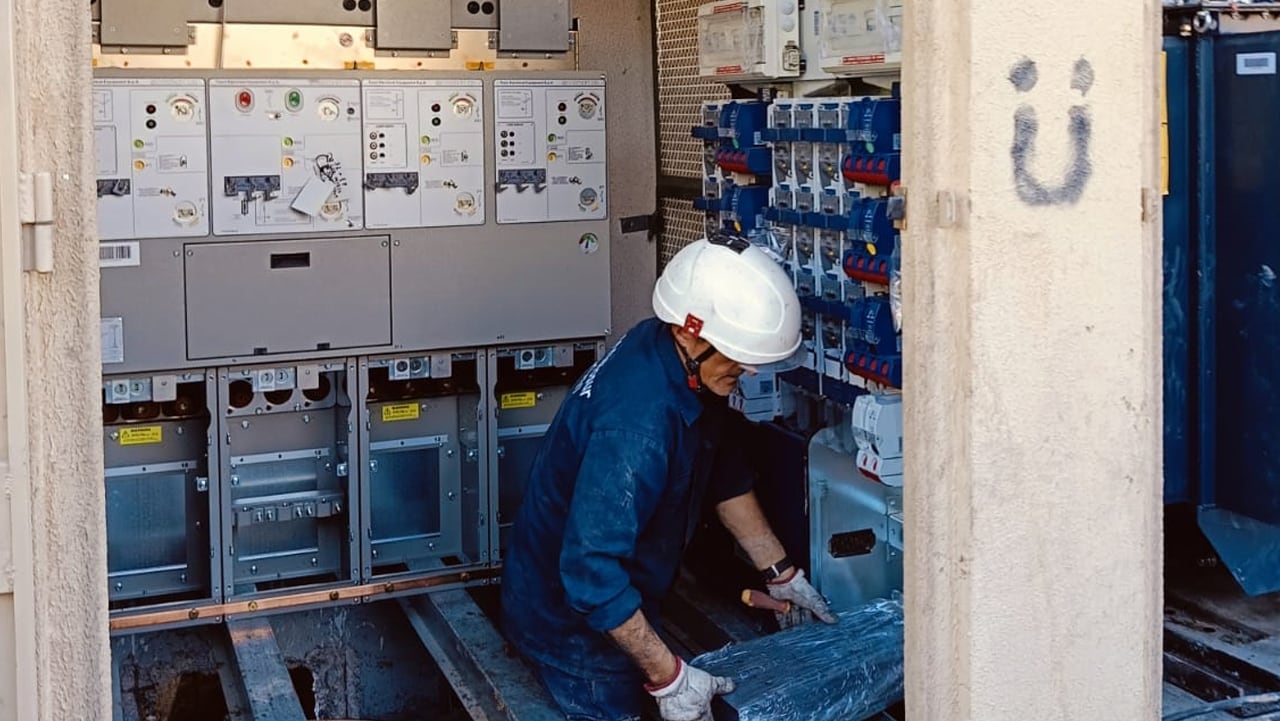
[719, 374]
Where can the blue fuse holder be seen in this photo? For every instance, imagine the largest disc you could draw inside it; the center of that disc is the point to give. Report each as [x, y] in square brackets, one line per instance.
[747, 205]
[875, 126]
[743, 122]
[871, 322]
[868, 223]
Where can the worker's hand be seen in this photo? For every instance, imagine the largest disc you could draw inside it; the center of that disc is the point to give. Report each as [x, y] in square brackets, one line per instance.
[804, 599]
[688, 696]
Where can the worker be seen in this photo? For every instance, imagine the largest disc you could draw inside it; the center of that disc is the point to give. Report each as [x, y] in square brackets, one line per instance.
[643, 442]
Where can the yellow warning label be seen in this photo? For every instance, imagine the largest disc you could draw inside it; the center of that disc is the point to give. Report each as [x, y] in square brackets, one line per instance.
[526, 399]
[400, 412]
[141, 436]
[1164, 124]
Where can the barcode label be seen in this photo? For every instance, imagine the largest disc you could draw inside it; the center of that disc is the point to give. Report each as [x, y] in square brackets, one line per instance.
[117, 255]
[1256, 64]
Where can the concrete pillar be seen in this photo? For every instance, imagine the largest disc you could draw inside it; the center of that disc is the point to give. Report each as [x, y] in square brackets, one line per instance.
[54, 653]
[1033, 363]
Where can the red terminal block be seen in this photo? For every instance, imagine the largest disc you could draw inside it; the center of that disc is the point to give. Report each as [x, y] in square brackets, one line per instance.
[866, 268]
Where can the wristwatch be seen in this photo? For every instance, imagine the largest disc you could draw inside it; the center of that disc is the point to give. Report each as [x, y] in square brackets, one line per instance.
[777, 569]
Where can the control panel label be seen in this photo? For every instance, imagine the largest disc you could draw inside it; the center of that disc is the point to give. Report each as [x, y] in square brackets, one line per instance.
[286, 155]
[526, 399]
[549, 147]
[141, 436]
[152, 158]
[424, 147]
[400, 412]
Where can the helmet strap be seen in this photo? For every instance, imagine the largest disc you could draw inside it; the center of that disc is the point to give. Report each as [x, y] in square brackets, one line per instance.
[693, 366]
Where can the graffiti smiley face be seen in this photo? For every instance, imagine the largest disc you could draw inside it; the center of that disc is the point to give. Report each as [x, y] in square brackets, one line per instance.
[1026, 128]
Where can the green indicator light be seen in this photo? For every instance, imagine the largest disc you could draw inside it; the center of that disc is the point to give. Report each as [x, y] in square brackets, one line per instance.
[288, 142]
[426, 140]
[551, 138]
[137, 144]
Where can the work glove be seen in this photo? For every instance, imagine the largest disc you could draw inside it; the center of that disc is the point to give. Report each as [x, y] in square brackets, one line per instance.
[804, 599]
[688, 696]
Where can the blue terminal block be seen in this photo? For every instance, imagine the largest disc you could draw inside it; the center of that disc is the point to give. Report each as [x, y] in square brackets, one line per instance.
[743, 122]
[875, 126]
[783, 216]
[871, 323]
[868, 223]
[743, 208]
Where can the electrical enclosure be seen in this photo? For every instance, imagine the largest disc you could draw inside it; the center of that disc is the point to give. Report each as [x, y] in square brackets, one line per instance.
[749, 40]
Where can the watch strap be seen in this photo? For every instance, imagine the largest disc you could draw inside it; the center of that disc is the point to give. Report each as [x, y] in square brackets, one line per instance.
[777, 569]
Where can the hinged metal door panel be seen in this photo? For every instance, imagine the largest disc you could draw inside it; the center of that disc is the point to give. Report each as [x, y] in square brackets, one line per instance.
[291, 296]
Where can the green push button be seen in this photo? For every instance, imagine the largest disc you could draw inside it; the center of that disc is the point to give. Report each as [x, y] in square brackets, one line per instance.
[294, 99]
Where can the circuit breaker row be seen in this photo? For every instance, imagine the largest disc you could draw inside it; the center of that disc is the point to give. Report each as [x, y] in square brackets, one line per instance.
[810, 180]
[235, 483]
[254, 154]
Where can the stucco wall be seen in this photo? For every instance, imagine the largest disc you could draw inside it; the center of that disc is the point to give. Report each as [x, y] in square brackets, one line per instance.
[617, 38]
[1033, 360]
[67, 516]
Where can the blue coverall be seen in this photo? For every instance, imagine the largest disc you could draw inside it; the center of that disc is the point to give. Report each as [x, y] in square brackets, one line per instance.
[614, 495]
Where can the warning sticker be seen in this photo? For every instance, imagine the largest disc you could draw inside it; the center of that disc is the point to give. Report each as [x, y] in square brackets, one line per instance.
[141, 436]
[526, 399]
[400, 412]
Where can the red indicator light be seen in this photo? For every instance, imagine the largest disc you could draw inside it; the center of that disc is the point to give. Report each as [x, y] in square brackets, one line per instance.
[244, 100]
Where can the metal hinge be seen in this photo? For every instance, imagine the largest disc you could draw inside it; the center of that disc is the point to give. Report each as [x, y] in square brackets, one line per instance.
[897, 209]
[35, 211]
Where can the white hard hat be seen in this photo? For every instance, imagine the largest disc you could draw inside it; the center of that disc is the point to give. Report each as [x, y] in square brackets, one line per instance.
[733, 295]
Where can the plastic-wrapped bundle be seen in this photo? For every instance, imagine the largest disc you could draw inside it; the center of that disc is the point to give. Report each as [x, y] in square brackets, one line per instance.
[846, 671]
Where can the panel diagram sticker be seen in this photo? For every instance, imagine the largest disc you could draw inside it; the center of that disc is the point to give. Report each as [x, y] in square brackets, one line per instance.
[113, 340]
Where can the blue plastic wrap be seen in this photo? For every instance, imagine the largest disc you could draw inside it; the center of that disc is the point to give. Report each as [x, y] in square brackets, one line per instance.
[848, 671]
